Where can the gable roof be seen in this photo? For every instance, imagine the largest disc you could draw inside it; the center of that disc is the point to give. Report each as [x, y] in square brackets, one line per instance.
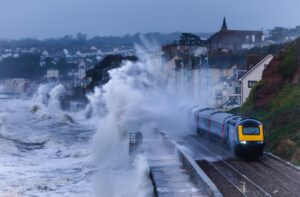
[257, 65]
[227, 34]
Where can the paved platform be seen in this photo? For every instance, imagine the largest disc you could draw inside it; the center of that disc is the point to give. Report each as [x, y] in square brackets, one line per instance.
[168, 174]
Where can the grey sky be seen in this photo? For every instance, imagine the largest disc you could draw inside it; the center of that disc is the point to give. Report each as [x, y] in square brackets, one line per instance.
[54, 18]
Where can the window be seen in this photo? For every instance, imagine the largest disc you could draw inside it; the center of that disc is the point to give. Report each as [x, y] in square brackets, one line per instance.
[251, 130]
[253, 38]
[251, 84]
[237, 90]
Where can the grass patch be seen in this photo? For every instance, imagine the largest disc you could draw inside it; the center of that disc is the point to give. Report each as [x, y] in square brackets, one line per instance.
[281, 119]
[288, 65]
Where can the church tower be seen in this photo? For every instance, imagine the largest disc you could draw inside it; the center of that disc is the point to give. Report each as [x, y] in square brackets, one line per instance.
[224, 26]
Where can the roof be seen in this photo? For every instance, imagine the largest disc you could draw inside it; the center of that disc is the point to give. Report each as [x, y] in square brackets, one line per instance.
[225, 61]
[227, 34]
[170, 65]
[257, 65]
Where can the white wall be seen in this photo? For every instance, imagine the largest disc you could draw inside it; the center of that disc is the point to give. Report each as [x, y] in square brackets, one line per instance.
[255, 74]
[52, 73]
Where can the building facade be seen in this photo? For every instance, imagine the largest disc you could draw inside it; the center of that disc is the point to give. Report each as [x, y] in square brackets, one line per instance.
[16, 85]
[233, 40]
[252, 76]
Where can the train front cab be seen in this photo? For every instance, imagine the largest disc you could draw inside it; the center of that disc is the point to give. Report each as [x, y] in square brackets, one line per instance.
[250, 138]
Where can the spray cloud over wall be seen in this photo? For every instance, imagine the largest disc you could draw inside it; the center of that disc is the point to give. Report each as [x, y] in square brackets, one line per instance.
[137, 94]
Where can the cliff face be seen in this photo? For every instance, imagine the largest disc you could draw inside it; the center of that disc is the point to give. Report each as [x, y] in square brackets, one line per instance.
[283, 70]
[270, 85]
[275, 100]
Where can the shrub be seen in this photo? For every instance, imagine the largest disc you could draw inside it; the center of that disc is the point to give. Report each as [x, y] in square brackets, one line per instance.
[288, 66]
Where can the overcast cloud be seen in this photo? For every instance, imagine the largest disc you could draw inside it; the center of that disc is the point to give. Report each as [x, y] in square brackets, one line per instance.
[54, 18]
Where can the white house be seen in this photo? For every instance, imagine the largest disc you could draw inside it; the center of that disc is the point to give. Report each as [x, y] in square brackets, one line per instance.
[251, 77]
[52, 73]
[82, 70]
[16, 85]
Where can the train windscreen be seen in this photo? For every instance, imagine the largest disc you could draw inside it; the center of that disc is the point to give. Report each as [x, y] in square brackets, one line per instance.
[251, 130]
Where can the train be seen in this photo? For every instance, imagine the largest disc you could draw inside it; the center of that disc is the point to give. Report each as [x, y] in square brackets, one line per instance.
[244, 135]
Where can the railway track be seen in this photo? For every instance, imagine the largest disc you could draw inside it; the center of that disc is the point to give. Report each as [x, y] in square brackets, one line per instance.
[281, 167]
[273, 181]
[239, 184]
[236, 177]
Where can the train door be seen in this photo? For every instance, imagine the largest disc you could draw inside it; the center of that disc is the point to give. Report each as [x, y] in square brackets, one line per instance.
[226, 134]
[232, 135]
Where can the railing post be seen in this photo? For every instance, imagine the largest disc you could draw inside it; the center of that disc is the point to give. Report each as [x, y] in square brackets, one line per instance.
[135, 139]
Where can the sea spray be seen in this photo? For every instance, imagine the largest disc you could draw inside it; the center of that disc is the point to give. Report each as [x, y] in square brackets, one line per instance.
[44, 147]
[42, 94]
[134, 96]
[55, 95]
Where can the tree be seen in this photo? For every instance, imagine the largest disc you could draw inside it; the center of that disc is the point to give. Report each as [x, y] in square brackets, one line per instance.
[280, 33]
[190, 39]
[81, 37]
[99, 74]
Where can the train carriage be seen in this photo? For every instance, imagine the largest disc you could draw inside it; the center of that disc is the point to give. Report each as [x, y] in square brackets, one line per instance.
[203, 121]
[244, 135]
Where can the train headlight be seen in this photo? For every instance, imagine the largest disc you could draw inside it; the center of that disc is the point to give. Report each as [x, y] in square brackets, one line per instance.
[243, 142]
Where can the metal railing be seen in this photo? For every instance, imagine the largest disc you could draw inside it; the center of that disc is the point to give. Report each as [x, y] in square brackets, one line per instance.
[135, 138]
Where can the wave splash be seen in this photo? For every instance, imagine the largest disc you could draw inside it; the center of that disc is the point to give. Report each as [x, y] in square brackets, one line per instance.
[87, 153]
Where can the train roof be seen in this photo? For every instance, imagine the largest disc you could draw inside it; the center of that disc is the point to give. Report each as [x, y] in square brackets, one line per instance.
[206, 113]
[249, 121]
[201, 109]
[221, 116]
[196, 109]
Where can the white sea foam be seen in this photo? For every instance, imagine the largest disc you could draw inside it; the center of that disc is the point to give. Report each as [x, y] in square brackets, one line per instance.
[42, 153]
[135, 96]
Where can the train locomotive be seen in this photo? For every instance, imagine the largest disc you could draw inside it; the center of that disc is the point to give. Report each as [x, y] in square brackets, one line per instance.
[244, 135]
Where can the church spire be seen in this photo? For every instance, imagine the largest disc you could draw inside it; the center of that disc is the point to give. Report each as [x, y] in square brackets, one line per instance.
[224, 26]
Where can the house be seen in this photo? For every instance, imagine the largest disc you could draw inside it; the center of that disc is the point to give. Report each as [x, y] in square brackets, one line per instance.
[155, 61]
[16, 85]
[252, 76]
[52, 74]
[225, 84]
[82, 67]
[232, 40]
[185, 63]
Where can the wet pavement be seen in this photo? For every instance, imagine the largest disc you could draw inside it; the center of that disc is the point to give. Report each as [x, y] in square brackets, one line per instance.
[168, 174]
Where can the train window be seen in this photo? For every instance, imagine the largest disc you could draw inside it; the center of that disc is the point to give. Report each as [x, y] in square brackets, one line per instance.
[250, 130]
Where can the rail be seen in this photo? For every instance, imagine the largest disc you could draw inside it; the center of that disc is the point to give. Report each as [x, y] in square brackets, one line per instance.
[222, 167]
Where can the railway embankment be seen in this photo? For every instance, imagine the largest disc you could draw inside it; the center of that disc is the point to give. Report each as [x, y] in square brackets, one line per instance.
[275, 101]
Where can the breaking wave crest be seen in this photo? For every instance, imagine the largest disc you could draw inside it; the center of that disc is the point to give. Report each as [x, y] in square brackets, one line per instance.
[47, 151]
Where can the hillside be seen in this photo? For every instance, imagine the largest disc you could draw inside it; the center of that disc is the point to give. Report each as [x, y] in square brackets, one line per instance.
[28, 66]
[275, 100]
